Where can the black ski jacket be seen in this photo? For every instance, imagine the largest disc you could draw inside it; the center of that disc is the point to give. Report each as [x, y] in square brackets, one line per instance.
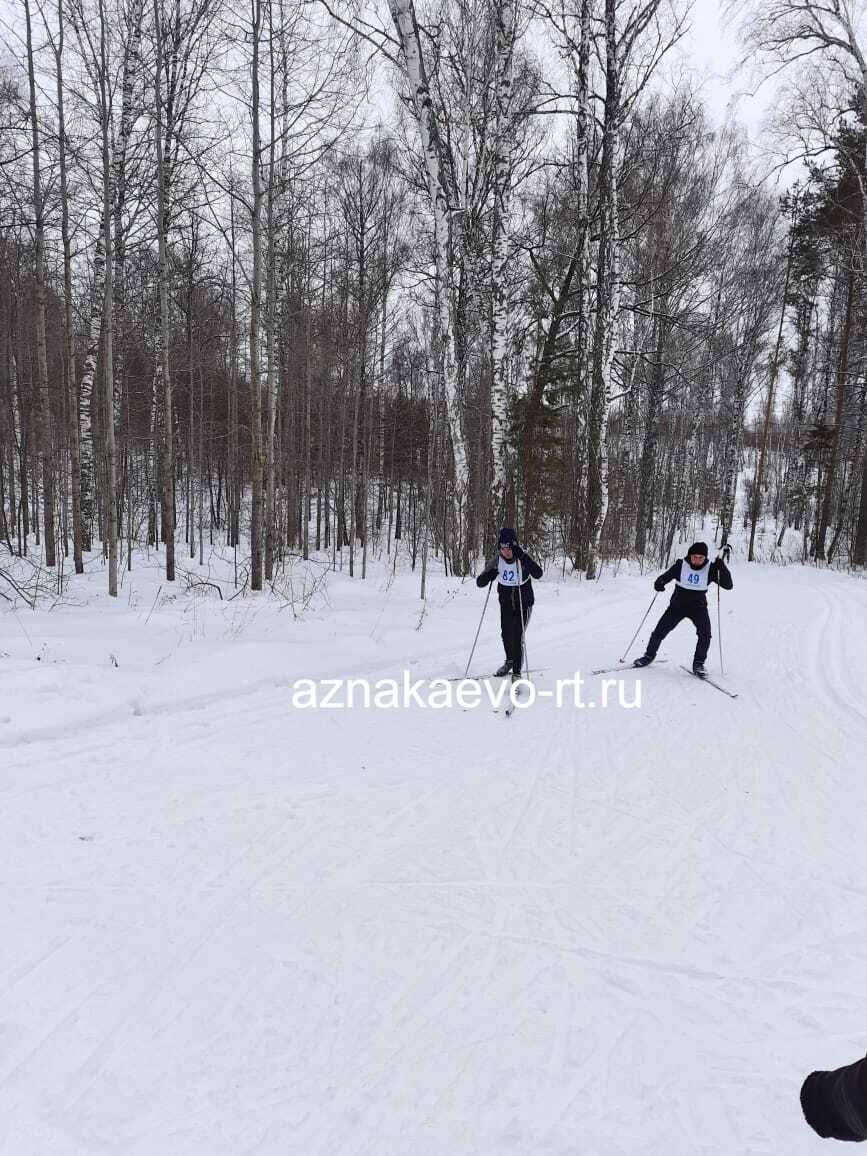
[508, 595]
[686, 599]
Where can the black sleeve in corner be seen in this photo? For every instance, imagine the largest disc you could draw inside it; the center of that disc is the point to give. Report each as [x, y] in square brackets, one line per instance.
[531, 566]
[720, 573]
[671, 573]
[835, 1103]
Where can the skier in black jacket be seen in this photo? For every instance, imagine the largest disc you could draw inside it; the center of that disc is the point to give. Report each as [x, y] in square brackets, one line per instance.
[693, 575]
[514, 571]
[835, 1103]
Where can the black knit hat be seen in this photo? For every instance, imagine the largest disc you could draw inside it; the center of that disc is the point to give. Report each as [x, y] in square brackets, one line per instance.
[697, 548]
[508, 537]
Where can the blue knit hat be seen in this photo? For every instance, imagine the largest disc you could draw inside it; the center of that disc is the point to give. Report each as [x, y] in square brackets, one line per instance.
[508, 537]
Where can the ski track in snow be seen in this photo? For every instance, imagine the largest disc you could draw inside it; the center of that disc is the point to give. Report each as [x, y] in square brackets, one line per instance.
[231, 928]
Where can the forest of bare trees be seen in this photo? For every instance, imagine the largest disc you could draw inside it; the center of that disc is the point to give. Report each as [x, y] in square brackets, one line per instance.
[300, 278]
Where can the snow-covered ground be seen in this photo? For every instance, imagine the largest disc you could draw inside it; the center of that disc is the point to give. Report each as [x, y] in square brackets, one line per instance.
[232, 927]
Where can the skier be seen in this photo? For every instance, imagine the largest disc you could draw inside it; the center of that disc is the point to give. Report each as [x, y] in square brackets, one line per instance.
[514, 571]
[692, 575]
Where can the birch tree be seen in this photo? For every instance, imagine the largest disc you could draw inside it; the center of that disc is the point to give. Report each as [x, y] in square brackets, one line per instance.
[636, 40]
[93, 33]
[505, 22]
[43, 407]
[104, 102]
[444, 201]
[56, 39]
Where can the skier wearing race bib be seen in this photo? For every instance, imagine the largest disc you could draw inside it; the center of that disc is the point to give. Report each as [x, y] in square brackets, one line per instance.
[692, 576]
[514, 571]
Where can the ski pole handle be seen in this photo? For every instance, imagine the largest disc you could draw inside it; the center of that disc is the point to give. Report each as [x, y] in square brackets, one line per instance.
[641, 623]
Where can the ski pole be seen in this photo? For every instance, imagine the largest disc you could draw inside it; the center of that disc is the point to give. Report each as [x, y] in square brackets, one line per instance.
[641, 623]
[523, 631]
[479, 629]
[725, 553]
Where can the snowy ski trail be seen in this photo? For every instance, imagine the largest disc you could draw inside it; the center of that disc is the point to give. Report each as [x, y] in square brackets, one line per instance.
[231, 927]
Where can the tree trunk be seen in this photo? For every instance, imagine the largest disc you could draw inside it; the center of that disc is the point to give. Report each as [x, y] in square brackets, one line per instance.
[110, 489]
[647, 469]
[162, 376]
[256, 462]
[505, 31]
[72, 424]
[842, 374]
[43, 407]
[444, 202]
[607, 299]
[769, 409]
[270, 322]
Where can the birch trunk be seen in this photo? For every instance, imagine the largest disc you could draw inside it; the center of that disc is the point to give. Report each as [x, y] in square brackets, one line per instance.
[731, 453]
[71, 390]
[607, 299]
[505, 32]
[769, 409]
[647, 469]
[578, 271]
[255, 311]
[85, 392]
[162, 370]
[132, 66]
[43, 407]
[443, 202]
[110, 491]
[270, 322]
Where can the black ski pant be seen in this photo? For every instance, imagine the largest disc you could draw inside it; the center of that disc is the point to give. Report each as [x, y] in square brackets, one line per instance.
[673, 616]
[510, 628]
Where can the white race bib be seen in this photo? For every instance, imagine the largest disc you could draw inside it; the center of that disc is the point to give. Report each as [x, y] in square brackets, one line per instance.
[508, 572]
[694, 579]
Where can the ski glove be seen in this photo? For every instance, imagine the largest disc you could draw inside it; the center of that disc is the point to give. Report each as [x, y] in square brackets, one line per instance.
[488, 575]
[659, 585]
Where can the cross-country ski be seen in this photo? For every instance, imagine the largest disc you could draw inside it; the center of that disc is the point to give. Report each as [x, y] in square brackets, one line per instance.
[538, 670]
[622, 666]
[710, 681]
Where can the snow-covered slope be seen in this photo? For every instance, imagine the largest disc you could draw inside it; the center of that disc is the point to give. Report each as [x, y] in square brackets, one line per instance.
[229, 927]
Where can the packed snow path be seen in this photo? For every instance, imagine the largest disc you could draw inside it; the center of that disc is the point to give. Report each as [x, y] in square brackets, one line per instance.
[229, 927]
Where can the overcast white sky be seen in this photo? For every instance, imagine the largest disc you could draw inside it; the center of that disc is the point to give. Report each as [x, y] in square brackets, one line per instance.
[711, 51]
[711, 48]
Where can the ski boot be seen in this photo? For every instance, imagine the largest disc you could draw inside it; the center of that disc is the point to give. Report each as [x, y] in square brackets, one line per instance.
[644, 660]
[698, 669]
[505, 669]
